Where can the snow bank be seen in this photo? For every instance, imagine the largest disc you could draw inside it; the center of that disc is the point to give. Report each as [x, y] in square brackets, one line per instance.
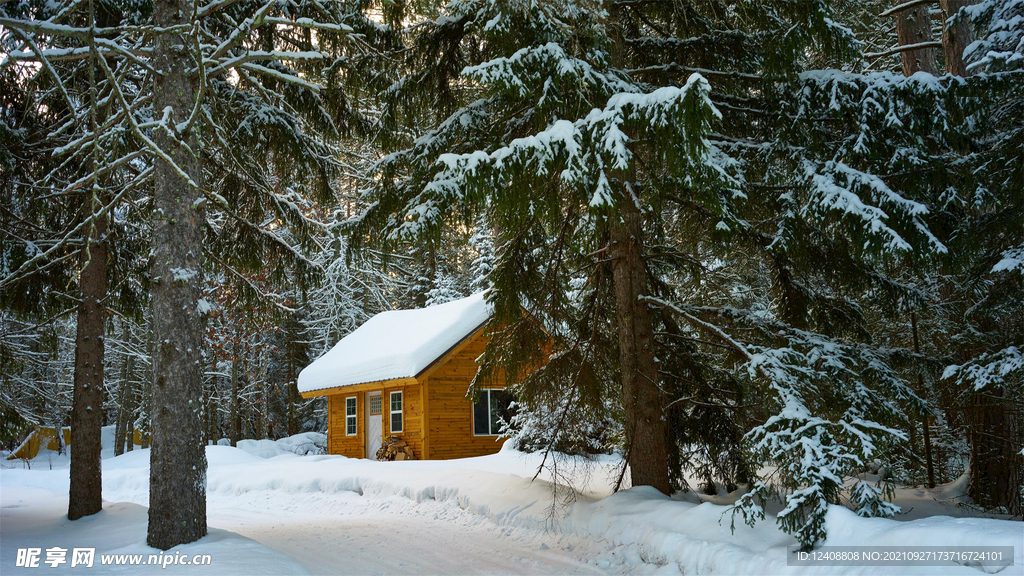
[304, 443]
[259, 448]
[248, 451]
[297, 445]
[845, 528]
[34, 518]
[638, 525]
[396, 344]
[638, 530]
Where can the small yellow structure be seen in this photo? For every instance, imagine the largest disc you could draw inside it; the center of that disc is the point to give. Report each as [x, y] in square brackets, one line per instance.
[47, 436]
[406, 373]
[41, 436]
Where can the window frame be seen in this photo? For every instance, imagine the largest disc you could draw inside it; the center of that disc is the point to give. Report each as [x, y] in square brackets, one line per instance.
[354, 416]
[392, 412]
[472, 414]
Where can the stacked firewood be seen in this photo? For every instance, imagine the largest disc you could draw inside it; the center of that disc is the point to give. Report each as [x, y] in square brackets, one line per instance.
[395, 448]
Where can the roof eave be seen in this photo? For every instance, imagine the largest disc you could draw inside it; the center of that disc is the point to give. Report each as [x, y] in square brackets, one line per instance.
[360, 387]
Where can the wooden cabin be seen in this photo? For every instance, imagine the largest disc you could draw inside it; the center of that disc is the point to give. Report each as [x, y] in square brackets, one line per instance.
[405, 373]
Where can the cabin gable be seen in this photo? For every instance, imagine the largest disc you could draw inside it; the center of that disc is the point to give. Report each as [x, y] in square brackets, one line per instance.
[427, 358]
[450, 413]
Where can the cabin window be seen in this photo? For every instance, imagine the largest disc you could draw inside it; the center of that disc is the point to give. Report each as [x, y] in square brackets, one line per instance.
[375, 405]
[494, 407]
[350, 416]
[396, 412]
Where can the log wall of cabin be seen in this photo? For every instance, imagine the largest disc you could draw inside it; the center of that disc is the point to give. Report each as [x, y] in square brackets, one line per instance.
[355, 446]
[412, 428]
[449, 413]
[337, 441]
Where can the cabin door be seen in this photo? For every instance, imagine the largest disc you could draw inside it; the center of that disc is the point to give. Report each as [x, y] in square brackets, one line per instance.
[374, 425]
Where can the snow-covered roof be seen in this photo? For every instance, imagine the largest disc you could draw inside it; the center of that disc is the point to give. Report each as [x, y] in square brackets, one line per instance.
[396, 344]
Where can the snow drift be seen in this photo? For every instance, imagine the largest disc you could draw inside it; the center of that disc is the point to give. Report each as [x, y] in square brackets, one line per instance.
[396, 344]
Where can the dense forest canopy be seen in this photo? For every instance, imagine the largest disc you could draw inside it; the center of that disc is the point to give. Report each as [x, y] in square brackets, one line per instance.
[771, 244]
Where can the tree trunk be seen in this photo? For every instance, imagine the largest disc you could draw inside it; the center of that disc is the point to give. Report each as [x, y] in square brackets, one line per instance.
[292, 427]
[124, 411]
[924, 417]
[132, 401]
[292, 389]
[58, 424]
[86, 490]
[914, 26]
[211, 433]
[236, 412]
[129, 428]
[142, 423]
[957, 37]
[212, 411]
[264, 388]
[177, 494]
[119, 427]
[642, 398]
[994, 433]
[929, 461]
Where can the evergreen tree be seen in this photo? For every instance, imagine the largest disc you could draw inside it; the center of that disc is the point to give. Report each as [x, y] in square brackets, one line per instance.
[482, 243]
[73, 221]
[233, 77]
[733, 191]
[981, 298]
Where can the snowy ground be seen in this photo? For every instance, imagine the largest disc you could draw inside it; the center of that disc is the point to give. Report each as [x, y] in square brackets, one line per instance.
[274, 512]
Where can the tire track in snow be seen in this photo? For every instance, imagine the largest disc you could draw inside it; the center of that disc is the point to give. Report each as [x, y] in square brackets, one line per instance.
[397, 536]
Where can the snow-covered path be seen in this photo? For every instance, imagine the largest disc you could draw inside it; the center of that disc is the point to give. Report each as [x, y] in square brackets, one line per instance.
[395, 537]
[389, 536]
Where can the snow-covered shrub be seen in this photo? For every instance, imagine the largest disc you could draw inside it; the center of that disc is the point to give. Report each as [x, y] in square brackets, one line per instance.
[561, 430]
[835, 408]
